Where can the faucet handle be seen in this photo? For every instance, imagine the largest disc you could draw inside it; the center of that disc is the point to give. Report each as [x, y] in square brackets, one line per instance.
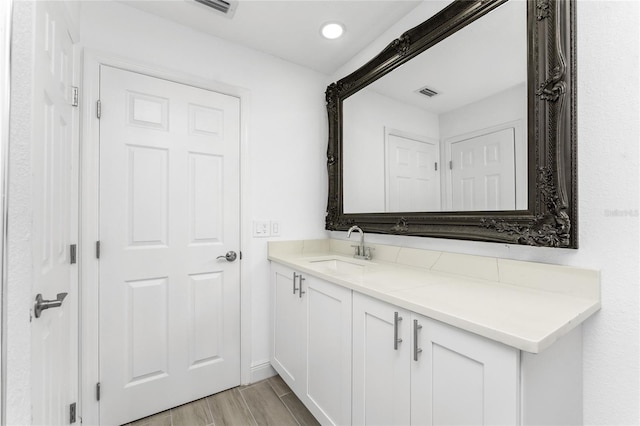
[367, 252]
[357, 247]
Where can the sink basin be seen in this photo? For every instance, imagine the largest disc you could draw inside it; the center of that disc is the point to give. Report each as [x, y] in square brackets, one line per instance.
[340, 266]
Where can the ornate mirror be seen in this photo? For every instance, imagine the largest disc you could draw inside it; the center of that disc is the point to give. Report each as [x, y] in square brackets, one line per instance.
[463, 127]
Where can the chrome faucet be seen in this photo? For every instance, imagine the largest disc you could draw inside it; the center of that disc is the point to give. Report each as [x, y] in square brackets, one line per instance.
[362, 252]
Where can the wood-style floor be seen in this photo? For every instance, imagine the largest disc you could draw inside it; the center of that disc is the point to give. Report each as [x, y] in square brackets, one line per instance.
[269, 402]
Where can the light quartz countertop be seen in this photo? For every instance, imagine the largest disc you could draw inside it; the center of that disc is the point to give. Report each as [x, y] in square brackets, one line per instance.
[525, 305]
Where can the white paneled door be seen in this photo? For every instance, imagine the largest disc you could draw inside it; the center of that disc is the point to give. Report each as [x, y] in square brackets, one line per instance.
[412, 176]
[483, 175]
[54, 337]
[169, 212]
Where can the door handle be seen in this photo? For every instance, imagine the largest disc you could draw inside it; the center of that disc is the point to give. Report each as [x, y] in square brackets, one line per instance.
[230, 256]
[295, 276]
[416, 349]
[396, 340]
[301, 292]
[42, 304]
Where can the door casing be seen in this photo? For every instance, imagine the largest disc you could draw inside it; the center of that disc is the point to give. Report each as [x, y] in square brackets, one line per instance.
[89, 225]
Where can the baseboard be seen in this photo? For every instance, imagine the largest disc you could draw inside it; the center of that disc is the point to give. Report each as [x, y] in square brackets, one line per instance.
[262, 371]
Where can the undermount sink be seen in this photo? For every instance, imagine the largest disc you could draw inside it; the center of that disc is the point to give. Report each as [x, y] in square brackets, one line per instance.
[340, 266]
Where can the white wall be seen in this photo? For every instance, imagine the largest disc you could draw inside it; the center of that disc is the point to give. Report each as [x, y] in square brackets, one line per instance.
[508, 105]
[19, 276]
[368, 113]
[608, 168]
[5, 48]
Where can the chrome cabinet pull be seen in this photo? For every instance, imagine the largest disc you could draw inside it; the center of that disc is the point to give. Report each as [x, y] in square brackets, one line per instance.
[301, 292]
[294, 282]
[396, 319]
[416, 349]
[42, 304]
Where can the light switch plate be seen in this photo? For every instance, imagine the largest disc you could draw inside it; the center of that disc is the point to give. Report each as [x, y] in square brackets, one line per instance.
[261, 228]
[275, 228]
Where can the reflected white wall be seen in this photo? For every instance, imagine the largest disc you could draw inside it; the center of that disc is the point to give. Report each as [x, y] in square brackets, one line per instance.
[5, 101]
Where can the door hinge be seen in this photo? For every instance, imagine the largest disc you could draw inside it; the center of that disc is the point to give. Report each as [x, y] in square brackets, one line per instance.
[99, 109]
[450, 165]
[75, 101]
[240, 254]
[436, 166]
[97, 249]
[98, 391]
[72, 413]
[72, 254]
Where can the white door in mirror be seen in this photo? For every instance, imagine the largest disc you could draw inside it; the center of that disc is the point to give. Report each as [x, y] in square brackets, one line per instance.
[412, 176]
[483, 172]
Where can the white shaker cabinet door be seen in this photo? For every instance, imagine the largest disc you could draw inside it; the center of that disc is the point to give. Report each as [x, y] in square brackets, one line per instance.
[328, 354]
[381, 368]
[288, 340]
[458, 378]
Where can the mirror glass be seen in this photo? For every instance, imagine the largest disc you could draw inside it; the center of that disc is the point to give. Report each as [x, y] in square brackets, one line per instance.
[447, 130]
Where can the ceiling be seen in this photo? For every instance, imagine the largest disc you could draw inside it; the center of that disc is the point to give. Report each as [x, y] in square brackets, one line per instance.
[289, 29]
[479, 61]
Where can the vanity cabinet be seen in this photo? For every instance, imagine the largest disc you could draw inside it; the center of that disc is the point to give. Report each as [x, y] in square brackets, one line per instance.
[311, 343]
[356, 359]
[411, 369]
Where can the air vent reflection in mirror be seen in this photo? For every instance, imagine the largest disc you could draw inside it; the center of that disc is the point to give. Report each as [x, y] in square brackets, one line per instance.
[428, 92]
[226, 7]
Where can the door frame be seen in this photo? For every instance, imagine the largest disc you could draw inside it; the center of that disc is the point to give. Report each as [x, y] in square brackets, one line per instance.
[89, 210]
[6, 15]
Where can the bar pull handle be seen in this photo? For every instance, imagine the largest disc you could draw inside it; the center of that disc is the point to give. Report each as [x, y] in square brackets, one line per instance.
[295, 276]
[396, 340]
[301, 292]
[416, 349]
[42, 304]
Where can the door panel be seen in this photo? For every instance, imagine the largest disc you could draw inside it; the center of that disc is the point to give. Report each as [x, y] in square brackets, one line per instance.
[328, 339]
[381, 374]
[169, 206]
[483, 172]
[461, 378]
[412, 180]
[54, 336]
[288, 327]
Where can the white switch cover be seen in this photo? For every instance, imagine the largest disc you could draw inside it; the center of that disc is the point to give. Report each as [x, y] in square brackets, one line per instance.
[261, 228]
[275, 228]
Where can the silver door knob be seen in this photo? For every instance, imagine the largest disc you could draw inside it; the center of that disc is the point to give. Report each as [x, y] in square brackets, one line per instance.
[230, 256]
[42, 304]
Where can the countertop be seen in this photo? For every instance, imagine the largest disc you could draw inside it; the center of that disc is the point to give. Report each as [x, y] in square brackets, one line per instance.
[525, 305]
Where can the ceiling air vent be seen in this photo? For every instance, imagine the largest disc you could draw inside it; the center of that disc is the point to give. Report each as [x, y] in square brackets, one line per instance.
[226, 7]
[428, 92]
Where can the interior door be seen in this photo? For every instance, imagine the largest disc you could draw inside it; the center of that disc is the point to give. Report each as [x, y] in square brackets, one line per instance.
[483, 175]
[54, 334]
[412, 176]
[169, 212]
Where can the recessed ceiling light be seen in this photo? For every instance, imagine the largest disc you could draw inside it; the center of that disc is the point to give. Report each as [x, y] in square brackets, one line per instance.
[332, 30]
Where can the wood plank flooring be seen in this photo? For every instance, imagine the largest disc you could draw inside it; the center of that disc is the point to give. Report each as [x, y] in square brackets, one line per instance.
[269, 402]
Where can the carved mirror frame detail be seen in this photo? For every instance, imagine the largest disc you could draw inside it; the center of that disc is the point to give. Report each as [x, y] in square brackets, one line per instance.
[551, 219]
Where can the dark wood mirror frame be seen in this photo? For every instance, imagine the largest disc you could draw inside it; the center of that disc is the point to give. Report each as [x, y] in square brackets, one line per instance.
[551, 218]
